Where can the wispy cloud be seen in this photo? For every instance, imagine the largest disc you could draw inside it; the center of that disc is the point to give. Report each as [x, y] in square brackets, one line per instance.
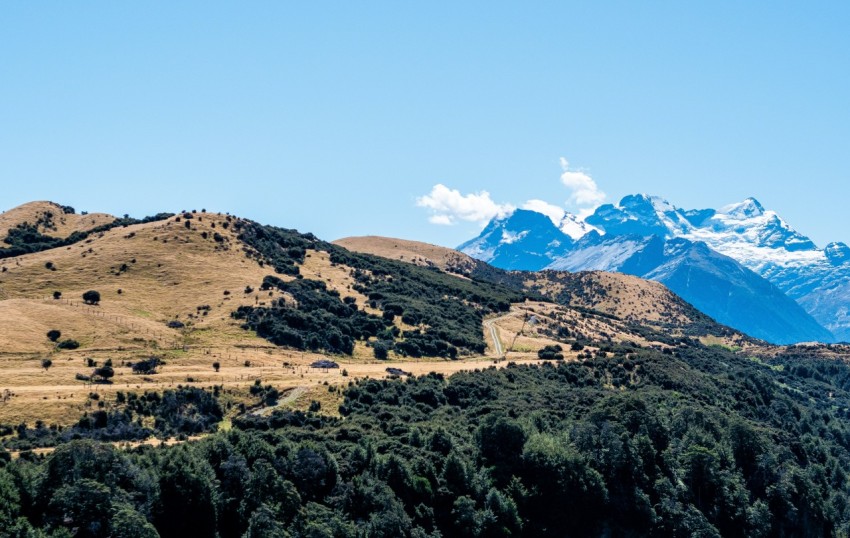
[449, 206]
[585, 193]
[555, 213]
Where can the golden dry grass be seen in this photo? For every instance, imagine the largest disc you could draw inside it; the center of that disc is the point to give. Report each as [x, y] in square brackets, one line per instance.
[150, 274]
[63, 224]
[168, 271]
[409, 251]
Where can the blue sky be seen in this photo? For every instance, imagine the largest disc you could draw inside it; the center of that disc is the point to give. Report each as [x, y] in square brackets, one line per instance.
[336, 117]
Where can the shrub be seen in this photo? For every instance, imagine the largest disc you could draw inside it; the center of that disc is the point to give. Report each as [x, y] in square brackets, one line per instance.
[146, 366]
[54, 334]
[68, 344]
[91, 297]
[551, 353]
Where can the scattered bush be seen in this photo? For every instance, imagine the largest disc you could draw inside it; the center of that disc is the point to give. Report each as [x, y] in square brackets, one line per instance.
[68, 344]
[551, 353]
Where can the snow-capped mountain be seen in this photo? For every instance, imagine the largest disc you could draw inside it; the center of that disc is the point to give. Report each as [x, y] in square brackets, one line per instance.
[757, 238]
[523, 240]
[712, 282]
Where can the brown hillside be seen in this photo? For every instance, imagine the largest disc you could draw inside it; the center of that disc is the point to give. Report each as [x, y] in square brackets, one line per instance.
[627, 297]
[50, 219]
[147, 273]
[414, 252]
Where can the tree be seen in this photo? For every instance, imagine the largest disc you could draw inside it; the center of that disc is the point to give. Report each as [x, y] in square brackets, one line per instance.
[91, 297]
[128, 523]
[84, 505]
[54, 335]
[57, 295]
[104, 373]
[216, 366]
[46, 364]
[381, 351]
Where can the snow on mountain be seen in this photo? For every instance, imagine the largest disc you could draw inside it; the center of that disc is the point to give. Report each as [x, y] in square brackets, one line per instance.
[714, 283]
[522, 240]
[837, 253]
[641, 215]
[576, 228]
[595, 253]
[756, 237]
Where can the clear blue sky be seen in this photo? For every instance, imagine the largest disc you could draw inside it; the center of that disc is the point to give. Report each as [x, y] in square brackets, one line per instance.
[334, 117]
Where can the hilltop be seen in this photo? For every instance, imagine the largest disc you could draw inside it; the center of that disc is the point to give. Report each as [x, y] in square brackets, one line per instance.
[415, 252]
[52, 219]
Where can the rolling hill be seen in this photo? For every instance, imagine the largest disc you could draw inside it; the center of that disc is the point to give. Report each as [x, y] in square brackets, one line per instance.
[621, 409]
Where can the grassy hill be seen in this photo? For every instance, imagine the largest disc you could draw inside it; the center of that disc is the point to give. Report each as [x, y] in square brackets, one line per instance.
[52, 219]
[196, 289]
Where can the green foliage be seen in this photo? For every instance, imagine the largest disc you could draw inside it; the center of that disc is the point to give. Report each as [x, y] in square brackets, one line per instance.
[552, 352]
[697, 443]
[445, 312]
[91, 297]
[321, 320]
[184, 411]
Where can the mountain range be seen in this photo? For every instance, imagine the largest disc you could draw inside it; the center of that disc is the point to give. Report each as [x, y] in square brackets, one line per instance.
[741, 264]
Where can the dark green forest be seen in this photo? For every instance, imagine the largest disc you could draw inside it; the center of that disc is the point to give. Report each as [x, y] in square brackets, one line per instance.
[701, 442]
[445, 311]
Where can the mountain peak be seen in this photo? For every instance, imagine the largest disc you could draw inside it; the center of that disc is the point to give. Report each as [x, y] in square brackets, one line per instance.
[748, 209]
[640, 214]
[524, 240]
[837, 253]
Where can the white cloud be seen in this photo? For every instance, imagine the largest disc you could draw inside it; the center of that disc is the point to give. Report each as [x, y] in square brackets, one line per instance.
[443, 220]
[448, 206]
[585, 192]
[555, 213]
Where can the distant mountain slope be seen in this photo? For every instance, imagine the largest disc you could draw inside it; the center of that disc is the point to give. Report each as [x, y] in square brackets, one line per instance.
[757, 238]
[715, 284]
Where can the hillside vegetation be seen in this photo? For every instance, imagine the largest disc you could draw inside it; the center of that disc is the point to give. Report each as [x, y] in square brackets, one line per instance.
[448, 399]
[703, 443]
